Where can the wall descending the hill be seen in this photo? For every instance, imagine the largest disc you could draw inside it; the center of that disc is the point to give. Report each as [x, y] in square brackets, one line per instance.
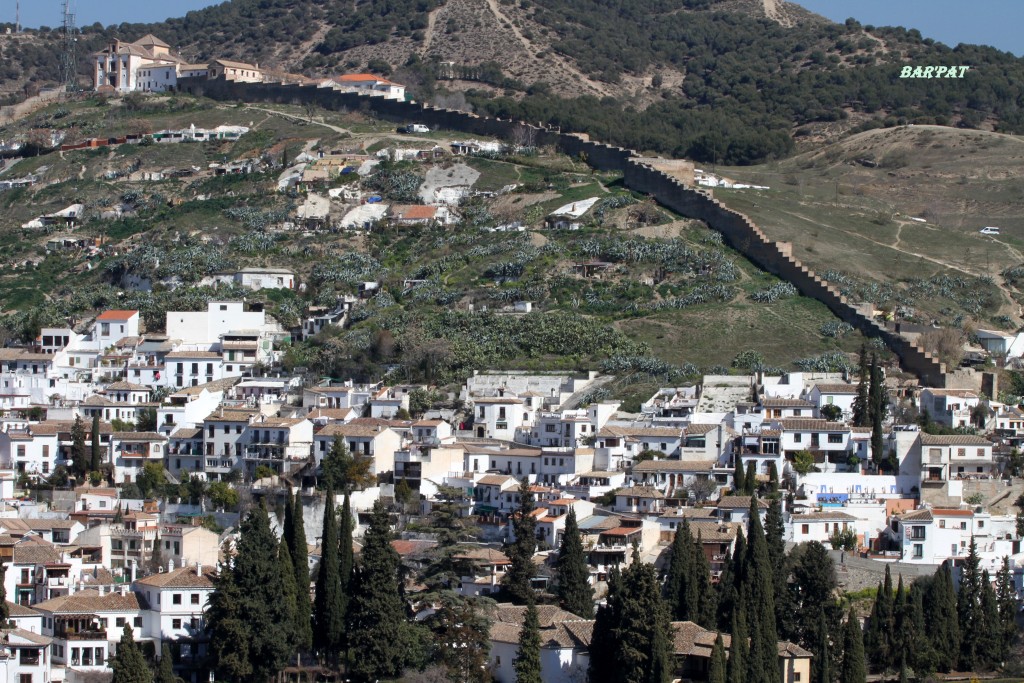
[738, 230]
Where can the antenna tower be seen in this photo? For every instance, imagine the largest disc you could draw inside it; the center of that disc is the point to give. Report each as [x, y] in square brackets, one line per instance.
[17, 17]
[68, 59]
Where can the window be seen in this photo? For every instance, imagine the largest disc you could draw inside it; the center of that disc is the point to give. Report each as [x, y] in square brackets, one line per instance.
[176, 623]
[961, 452]
[798, 437]
[119, 622]
[805, 529]
[981, 452]
[835, 438]
[138, 622]
[942, 524]
[917, 532]
[176, 599]
[918, 551]
[25, 678]
[195, 598]
[663, 448]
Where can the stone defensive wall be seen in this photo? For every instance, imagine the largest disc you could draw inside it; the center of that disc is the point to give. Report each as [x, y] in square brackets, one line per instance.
[668, 190]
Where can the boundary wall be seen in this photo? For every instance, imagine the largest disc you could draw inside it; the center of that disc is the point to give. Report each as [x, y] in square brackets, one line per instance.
[738, 230]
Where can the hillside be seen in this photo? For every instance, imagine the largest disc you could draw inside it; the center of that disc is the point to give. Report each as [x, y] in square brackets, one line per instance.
[850, 208]
[725, 80]
[659, 297]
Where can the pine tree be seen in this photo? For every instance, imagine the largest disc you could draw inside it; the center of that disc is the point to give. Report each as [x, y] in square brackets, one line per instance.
[329, 606]
[376, 612]
[295, 536]
[762, 666]
[1006, 598]
[527, 661]
[751, 478]
[739, 480]
[97, 454]
[258, 575]
[128, 664]
[861, 413]
[968, 610]
[289, 626]
[940, 615]
[990, 651]
[853, 669]
[229, 641]
[165, 670]
[572, 572]
[79, 458]
[518, 581]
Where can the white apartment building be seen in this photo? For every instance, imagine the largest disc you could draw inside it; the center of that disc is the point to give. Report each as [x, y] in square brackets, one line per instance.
[950, 407]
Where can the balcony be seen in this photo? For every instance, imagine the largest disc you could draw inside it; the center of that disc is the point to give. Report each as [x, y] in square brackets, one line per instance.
[264, 452]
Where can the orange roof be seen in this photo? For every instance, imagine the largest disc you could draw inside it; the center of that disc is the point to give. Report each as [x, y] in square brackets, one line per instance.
[117, 315]
[356, 78]
[948, 512]
[416, 212]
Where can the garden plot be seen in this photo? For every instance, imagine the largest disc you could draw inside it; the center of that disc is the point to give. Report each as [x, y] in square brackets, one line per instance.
[447, 185]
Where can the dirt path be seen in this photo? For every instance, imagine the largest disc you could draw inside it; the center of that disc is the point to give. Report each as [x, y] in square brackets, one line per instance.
[428, 37]
[773, 10]
[563, 65]
[293, 117]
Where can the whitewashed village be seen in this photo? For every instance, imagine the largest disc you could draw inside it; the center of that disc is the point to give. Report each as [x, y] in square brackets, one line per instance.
[130, 459]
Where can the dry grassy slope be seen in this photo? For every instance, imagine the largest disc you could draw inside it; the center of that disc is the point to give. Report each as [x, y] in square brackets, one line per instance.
[843, 214]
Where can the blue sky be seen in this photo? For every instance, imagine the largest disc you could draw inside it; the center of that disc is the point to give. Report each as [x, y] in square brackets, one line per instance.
[989, 22]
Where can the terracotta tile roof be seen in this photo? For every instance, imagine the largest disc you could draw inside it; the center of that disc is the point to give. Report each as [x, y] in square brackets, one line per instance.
[329, 413]
[786, 403]
[18, 637]
[406, 548]
[813, 424]
[183, 577]
[698, 429]
[640, 492]
[193, 354]
[350, 429]
[222, 415]
[956, 393]
[953, 440]
[922, 515]
[674, 466]
[90, 602]
[824, 516]
[126, 386]
[138, 436]
[739, 502]
[714, 532]
[496, 480]
[117, 315]
[16, 610]
[951, 512]
[32, 550]
[414, 212]
[503, 400]
[215, 385]
[483, 556]
[836, 388]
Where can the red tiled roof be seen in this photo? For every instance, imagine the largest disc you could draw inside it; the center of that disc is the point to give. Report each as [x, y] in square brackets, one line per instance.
[117, 315]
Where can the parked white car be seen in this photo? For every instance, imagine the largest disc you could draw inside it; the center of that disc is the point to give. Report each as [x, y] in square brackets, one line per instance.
[989, 231]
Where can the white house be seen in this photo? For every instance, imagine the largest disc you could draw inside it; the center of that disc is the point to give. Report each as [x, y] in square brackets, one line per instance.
[955, 456]
[498, 417]
[950, 407]
[85, 626]
[834, 394]
[120, 65]
[368, 84]
[205, 328]
[177, 600]
[565, 639]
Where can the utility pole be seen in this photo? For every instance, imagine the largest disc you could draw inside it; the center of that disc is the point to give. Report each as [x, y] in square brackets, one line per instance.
[17, 16]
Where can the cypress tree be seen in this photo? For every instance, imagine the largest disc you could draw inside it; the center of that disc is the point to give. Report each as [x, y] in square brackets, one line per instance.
[258, 575]
[990, 651]
[739, 652]
[774, 533]
[527, 661]
[861, 413]
[762, 666]
[680, 573]
[940, 615]
[877, 407]
[295, 533]
[165, 670]
[751, 478]
[725, 595]
[346, 553]
[518, 580]
[290, 623]
[572, 572]
[229, 641]
[820, 665]
[901, 639]
[96, 460]
[773, 477]
[700, 594]
[921, 656]
[128, 664]
[328, 606]
[968, 610]
[716, 668]
[79, 458]
[853, 669]
[603, 645]
[644, 651]
[1006, 598]
[739, 480]
[376, 612]
[881, 627]
[5, 611]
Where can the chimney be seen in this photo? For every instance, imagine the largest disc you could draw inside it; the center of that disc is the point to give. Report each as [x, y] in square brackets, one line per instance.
[199, 569]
